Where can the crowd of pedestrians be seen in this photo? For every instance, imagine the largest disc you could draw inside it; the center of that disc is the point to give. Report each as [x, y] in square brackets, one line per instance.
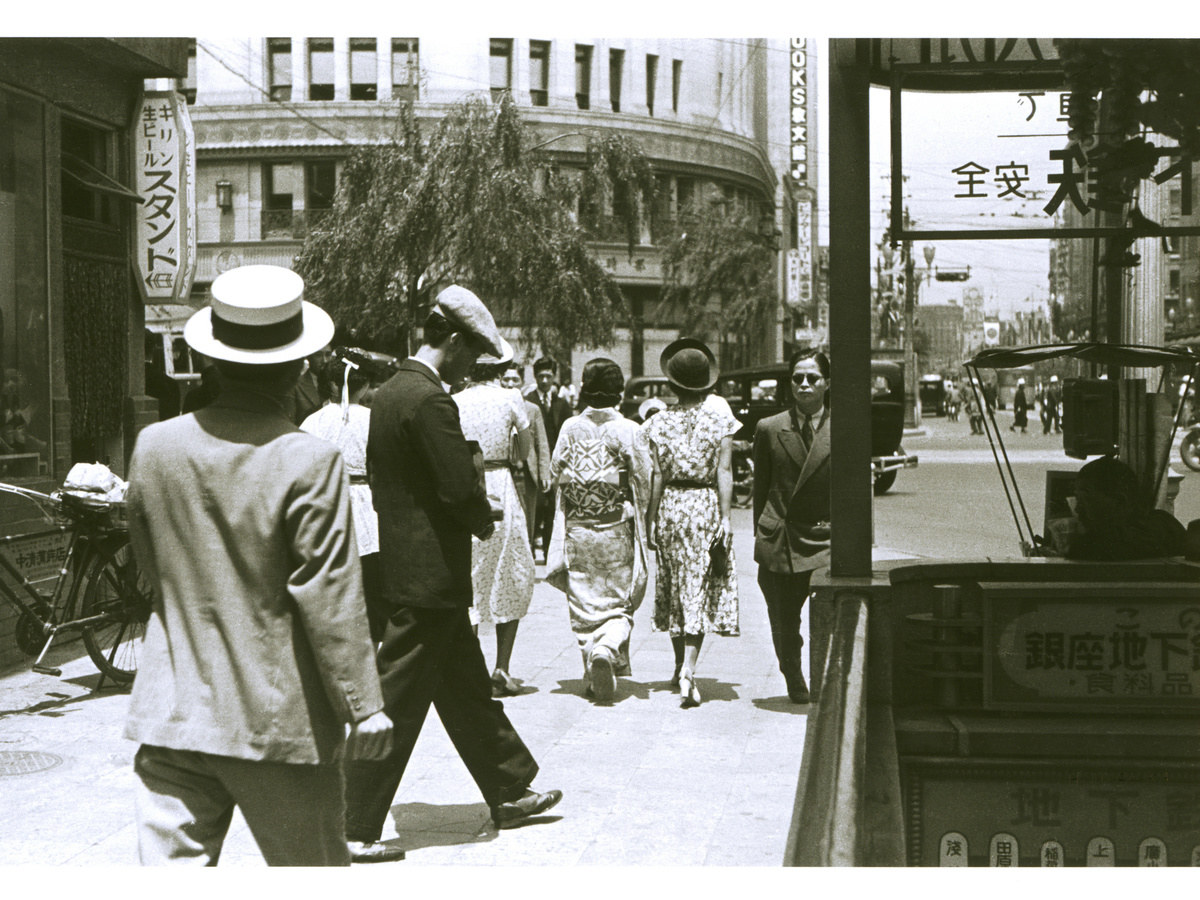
[318, 588]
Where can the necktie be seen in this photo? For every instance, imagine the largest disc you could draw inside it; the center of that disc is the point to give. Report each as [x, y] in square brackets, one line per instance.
[806, 432]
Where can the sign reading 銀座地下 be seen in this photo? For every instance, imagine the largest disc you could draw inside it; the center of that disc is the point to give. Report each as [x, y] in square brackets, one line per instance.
[1139, 650]
[164, 166]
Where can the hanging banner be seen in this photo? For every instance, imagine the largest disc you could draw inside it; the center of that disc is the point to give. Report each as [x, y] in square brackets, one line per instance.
[164, 166]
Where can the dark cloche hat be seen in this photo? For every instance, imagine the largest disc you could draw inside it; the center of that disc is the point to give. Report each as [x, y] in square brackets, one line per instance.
[689, 364]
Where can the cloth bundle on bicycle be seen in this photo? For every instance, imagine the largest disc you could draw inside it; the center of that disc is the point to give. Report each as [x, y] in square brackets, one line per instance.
[95, 481]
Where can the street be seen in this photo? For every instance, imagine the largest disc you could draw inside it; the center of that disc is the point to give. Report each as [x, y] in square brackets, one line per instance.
[953, 504]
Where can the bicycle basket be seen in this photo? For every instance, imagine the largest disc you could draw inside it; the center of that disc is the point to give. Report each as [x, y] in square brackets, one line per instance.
[94, 511]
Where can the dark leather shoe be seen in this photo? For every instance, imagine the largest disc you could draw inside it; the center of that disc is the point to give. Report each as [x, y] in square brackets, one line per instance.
[510, 815]
[797, 690]
[373, 851]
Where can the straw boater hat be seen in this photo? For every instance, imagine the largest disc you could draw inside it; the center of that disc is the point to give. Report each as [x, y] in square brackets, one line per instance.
[689, 364]
[258, 316]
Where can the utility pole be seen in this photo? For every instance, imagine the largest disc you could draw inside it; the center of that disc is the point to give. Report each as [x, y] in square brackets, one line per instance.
[911, 416]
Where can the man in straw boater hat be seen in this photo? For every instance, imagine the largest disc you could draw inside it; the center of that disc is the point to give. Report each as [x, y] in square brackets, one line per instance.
[258, 671]
[430, 497]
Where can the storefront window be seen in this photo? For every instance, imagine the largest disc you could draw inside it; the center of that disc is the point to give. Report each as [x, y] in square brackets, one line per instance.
[24, 371]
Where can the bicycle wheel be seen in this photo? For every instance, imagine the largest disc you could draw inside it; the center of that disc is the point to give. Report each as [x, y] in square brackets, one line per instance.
[115, 588]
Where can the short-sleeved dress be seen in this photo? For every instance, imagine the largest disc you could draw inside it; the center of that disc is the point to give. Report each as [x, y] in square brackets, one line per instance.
[348, 429]
[502, 572]
[687, 600]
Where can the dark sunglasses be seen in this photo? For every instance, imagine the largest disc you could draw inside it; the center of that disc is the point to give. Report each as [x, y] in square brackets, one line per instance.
[807, 378]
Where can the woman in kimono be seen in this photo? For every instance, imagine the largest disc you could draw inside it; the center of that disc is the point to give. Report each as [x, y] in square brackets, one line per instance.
[597, 554]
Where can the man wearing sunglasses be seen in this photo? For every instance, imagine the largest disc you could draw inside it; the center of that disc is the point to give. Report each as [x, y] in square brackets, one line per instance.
[791, 509]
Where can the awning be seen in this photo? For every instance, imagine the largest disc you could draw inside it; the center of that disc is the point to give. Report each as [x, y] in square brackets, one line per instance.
[94, 180]
[1128, 355]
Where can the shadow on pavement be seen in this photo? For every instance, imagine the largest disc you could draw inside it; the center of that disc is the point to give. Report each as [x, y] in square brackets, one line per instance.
[782, 705]
[52, 708]
[430, 825]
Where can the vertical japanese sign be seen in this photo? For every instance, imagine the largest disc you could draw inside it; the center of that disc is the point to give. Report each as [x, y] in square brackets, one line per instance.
[800, 289]
[164, 163]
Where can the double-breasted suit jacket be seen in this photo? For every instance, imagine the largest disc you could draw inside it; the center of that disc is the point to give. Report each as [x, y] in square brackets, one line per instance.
[791, 495]
[428, 494]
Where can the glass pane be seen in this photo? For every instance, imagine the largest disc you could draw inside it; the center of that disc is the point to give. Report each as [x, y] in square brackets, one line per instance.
[362, 61]
[320, 61]
[404, 61]
[500, 66]
[24, 338]
[281, 185]
[539, 65]
[321, 184]
[281, 61]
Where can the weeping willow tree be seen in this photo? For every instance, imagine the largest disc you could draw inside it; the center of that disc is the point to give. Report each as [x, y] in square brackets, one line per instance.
[474, 203]
[719, 280]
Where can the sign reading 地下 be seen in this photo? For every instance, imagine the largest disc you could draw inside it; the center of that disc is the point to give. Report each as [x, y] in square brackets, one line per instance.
[164, 158]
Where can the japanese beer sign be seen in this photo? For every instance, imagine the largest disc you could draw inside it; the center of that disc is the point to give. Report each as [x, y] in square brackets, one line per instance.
[1102, 647]
[1052, 816]
[164, 165]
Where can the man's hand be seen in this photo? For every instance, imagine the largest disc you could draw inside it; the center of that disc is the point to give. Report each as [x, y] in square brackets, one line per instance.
[369, 740]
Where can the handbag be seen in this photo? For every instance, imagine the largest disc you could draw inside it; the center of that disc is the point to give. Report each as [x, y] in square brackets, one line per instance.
[718, 557]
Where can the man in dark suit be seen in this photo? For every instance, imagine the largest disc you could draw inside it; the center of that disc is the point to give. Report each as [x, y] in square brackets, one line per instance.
[430, 497]
[555, 410]
[791, 509]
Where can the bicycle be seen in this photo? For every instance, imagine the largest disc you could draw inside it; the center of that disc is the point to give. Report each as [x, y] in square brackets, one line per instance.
[108, 598]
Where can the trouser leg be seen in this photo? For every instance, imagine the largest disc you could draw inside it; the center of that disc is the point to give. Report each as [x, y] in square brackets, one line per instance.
[481, 732]
[183, 809]
[409, 669]
[295, 812]
[785, 594]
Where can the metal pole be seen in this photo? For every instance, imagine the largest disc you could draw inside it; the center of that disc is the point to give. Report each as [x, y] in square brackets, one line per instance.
[850, 307]
[910, 348]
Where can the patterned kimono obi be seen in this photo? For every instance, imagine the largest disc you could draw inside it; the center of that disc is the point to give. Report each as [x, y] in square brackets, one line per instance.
[596, 481]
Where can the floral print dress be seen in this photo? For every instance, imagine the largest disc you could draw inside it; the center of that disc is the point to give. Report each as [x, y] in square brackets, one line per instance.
[502, 572]
[688, 600]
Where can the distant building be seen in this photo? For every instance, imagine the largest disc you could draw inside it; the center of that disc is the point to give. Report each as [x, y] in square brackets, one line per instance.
[940, 337]
[276, 116]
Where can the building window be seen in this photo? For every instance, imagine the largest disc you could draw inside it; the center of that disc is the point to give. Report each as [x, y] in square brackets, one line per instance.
[1175, 202]
[187, 86]
[364, 70]
[720, 90]
[320, 187]
[1173, 282]
[279, 65]
[676, 79]
[651, 79]
[279, 191]
[406, 69]
[539, 73]
[583, 76]
[84, 148]
[616, 63]
[320, 68]
[501, 66]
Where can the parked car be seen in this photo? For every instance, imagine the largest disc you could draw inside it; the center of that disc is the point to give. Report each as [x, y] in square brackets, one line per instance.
[641, 388]
[756, 393]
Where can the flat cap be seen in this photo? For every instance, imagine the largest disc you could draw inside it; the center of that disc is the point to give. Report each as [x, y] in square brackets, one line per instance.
[466, 312]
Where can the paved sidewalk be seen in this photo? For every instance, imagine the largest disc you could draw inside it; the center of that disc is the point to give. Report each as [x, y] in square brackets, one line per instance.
[644, 782]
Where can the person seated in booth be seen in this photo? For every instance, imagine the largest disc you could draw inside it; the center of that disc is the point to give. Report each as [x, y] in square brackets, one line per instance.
[1115, 519]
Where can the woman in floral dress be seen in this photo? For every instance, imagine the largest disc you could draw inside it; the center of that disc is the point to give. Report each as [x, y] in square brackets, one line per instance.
[688, 514]
[597, 553]
[502, 572]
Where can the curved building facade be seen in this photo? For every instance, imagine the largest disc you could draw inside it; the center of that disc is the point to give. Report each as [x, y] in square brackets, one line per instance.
[275, 116]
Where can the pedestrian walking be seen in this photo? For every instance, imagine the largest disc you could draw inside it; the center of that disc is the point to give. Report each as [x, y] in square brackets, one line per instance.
[431, 499]
[1020, 408]
[533, 473]
[502, 572]
[971, 408]
[791, 509]
[344, 422]
[556, 408]
[601, 467]
[688, 513]
[1052, 407]
[953, 401]
[257, 671]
